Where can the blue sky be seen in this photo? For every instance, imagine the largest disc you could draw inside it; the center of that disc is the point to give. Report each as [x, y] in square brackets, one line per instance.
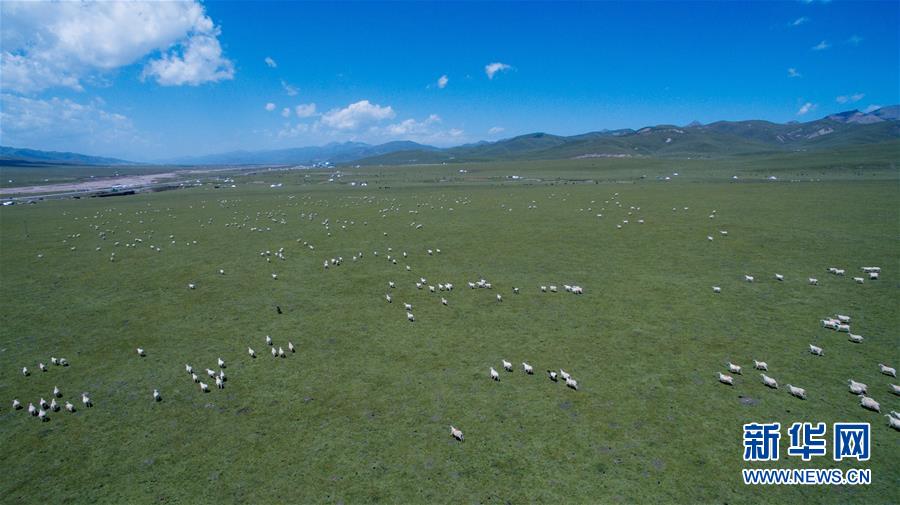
[157, 80]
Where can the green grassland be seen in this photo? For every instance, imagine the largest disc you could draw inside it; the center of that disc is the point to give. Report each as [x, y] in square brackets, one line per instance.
[361, 412]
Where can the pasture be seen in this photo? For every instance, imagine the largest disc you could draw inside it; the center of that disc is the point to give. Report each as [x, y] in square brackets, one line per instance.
[361, 412]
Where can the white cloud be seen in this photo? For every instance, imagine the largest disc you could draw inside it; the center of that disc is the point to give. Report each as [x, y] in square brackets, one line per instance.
[492, 68]
[60, 44]
[442, 81]
[270, 62]
[200, 62]
[270, 106]
[799, 21]
[854, 40]
[290, 90]
[64, 125]
[496, 130]
[356, 115]
[871, 108]
[806, 107]
[793, 72]
[412, 127]
[305, 110]
[286, 112]
[850, 98]
[821, 46]
[291, 131]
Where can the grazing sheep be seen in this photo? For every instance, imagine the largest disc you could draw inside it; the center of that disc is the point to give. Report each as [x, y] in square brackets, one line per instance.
[779, 277]
[431, 289]
[844, 328]
[813, 281]
[726, 379]
[760, 365]
[70, 407]
[506, 365]
[195, 378]
[455, 433]
[893, 422]
[407, 306]
[768, 381]
[188, 368]
[895, 414]
[281, 352]
[798, 392]
[204, 387]
[156, 395]
[42, 367]
[221, 363]
[291, 347]
[410, 317]
[43, 404]
[274, 352]
[54, 406]
[552, 375]
[54, 360]
[887, 370]
[733, 368]
[42, 415]
[816, 350]
[16, 405]
[572, 383]
[709, 237]
[63, 362]
[748, 278]
[86, 400]
[191, 285]
[141, 352]
[275, 276]
[387, 297]
[843, 319]
[31, 409]
[553, 289]
[444, 301]
[527, 368]
[869, 403]
[220, 383]
[222, 375]
[857, 387]
[717, 289]
[251, 352]
[515, 290]
[499, 298]
[543, 289]
[856, 339]
[268, 340]
[391, 284]
[895, 389]
[56, 392]
[494, 375]
[210, 372]
[873, 276]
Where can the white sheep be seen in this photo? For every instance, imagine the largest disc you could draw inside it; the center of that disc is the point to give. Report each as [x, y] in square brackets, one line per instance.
[717, 289]
[431, 289]
[156, 396]
[210, 372]
[407, 306]
[204, 387]
[70, 407]
[798, 392]
[43, 404]
[274, 352]
[54, 360]
[31, 409]
[444, 301]
[494, 375]
[553, 289]
[16, 405]
[893, 422]
[222, 375]
[859, 280]
[455, 433]
[63, 362]
[140, 352]
[895, 389]
[515, 290]
[564, 374]
[195, 378]
[768, 381]
[869, 403]
[191, 285]
[843, 319]
[56, 392]
[499, 298]
[887, 370]
[527, 368]
[251, 352]
[391, 284]
[856, 339]
[42, 415]
[388, 297]
[506, 365]
[816, 350]
[552, 375]
[543, 289]
[779, 277]
[857, 387]
[813, 281]
[873, 276]
[572, 383]
[220, 383]
[268, 340]
[726, 379]
[748, 278]
[733, 368]
[709, 238]
[291, 347]
[53, 405]
[42, 367]
[760, 365]
[86, 400]
[281, 352]
[221, 363]
[188, 368]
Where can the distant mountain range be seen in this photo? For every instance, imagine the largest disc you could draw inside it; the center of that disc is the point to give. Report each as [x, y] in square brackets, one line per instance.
[722, 138]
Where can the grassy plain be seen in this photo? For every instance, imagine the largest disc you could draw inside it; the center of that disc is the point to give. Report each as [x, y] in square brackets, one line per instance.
[361, 412]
